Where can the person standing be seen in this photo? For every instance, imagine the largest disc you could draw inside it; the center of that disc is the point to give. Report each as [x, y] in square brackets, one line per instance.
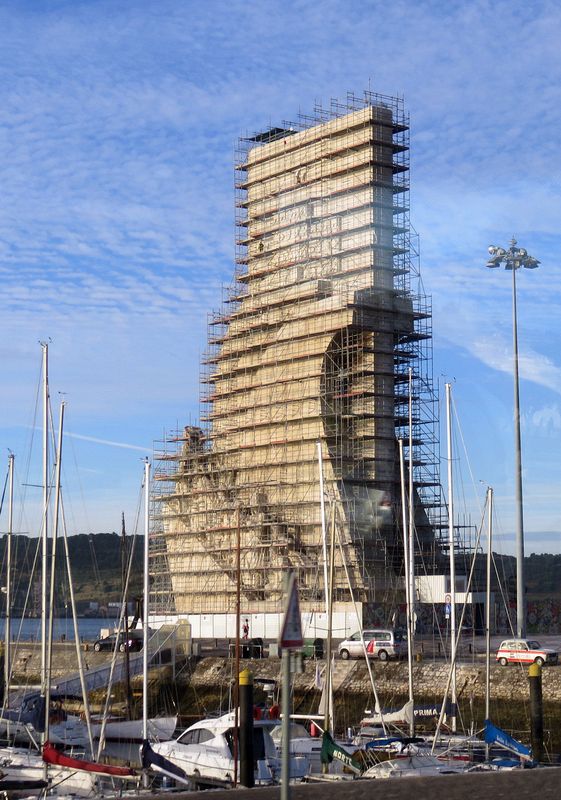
[245, 628]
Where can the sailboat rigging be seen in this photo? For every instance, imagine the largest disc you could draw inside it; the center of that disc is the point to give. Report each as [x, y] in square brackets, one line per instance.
[452, 555]
[406, 535]
[146, 593]
[8, 621]
[488, 610]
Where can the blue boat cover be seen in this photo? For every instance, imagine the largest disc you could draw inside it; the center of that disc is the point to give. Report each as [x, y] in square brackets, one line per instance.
[494, 735]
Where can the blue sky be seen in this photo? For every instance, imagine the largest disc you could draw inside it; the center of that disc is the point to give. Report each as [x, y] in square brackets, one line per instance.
[118, 124]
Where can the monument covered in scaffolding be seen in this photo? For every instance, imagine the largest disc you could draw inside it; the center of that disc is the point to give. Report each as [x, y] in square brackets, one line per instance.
[308, 367]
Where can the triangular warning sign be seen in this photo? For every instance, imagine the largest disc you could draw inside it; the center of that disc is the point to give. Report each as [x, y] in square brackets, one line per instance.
[291, 631]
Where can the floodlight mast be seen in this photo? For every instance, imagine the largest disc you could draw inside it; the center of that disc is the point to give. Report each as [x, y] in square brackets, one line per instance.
[512, 259]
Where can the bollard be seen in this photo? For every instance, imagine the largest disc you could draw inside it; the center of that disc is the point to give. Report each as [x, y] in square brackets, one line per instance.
[247, 777]
[536, 711]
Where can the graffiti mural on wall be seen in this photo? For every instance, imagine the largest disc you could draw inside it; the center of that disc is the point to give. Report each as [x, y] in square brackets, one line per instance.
[543, 616]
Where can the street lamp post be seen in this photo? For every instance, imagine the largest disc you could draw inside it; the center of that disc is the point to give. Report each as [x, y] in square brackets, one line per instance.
[512, 259]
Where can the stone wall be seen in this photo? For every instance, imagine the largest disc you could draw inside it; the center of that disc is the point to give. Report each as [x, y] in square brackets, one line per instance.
[351, 677]
[26, 659]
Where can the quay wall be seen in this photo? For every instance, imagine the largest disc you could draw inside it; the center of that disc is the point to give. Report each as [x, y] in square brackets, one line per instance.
[350, 677]
[391, 678]
[26, 660]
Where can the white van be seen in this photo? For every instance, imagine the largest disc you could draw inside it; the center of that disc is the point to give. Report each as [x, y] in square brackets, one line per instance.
[380, 643]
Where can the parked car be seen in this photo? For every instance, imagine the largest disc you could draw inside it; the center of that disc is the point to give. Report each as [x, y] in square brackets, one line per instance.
[525, 651]
[380, 643]
[133, 642]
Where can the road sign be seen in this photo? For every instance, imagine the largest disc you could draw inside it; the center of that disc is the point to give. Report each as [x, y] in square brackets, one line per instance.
[291, 631]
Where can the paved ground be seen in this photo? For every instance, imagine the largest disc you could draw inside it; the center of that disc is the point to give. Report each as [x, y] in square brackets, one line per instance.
[536, 784]
[428, 644]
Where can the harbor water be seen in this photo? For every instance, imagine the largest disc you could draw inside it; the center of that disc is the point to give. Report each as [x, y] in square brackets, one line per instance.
[29, 629]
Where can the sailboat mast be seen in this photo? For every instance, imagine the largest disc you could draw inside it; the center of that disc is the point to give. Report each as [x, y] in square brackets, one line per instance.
[323, 526]
[452, 556]
[411, 576]
[146, 595]
[328, 718]
[48, 663]
[7, 630]
[125, 613]
[407, 586]
[488, 604]
[44, 532]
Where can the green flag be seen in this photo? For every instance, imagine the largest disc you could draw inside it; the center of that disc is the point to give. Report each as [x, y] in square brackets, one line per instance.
[330, 750]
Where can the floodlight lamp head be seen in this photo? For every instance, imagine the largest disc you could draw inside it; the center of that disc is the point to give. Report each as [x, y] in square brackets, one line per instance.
[492, 250]
[492, 263]
[531, 263]
[501, 251]
[522, 253]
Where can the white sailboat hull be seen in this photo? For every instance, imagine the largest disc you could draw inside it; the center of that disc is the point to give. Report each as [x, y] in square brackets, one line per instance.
[208, 765]
[71, 733]
[412, 767]
[23, 764]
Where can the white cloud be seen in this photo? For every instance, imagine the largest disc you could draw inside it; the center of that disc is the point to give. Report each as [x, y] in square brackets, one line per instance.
[107, 442]
[117, 131]
[547, 418]
[494, 352]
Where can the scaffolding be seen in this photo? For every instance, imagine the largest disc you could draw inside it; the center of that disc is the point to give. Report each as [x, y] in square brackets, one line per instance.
[314, 343]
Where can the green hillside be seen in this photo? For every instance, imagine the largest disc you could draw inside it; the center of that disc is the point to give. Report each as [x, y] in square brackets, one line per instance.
[96, 564]
[542, 573]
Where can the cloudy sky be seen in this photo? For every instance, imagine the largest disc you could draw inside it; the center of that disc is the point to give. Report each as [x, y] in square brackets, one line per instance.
[118, 124]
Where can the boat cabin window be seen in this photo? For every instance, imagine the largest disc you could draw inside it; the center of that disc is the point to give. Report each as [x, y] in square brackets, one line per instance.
[188, 737]
[196, 737]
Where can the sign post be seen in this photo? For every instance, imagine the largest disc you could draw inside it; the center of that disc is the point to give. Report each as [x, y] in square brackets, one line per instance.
[290, 639]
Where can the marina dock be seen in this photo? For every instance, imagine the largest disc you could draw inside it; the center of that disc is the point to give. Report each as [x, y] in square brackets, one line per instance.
[523, 784]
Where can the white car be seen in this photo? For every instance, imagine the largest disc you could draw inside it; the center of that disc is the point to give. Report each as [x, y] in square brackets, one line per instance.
[380, 643]
[525, 651]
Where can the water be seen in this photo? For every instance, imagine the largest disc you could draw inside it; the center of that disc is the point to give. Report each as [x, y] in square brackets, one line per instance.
[29, 630]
